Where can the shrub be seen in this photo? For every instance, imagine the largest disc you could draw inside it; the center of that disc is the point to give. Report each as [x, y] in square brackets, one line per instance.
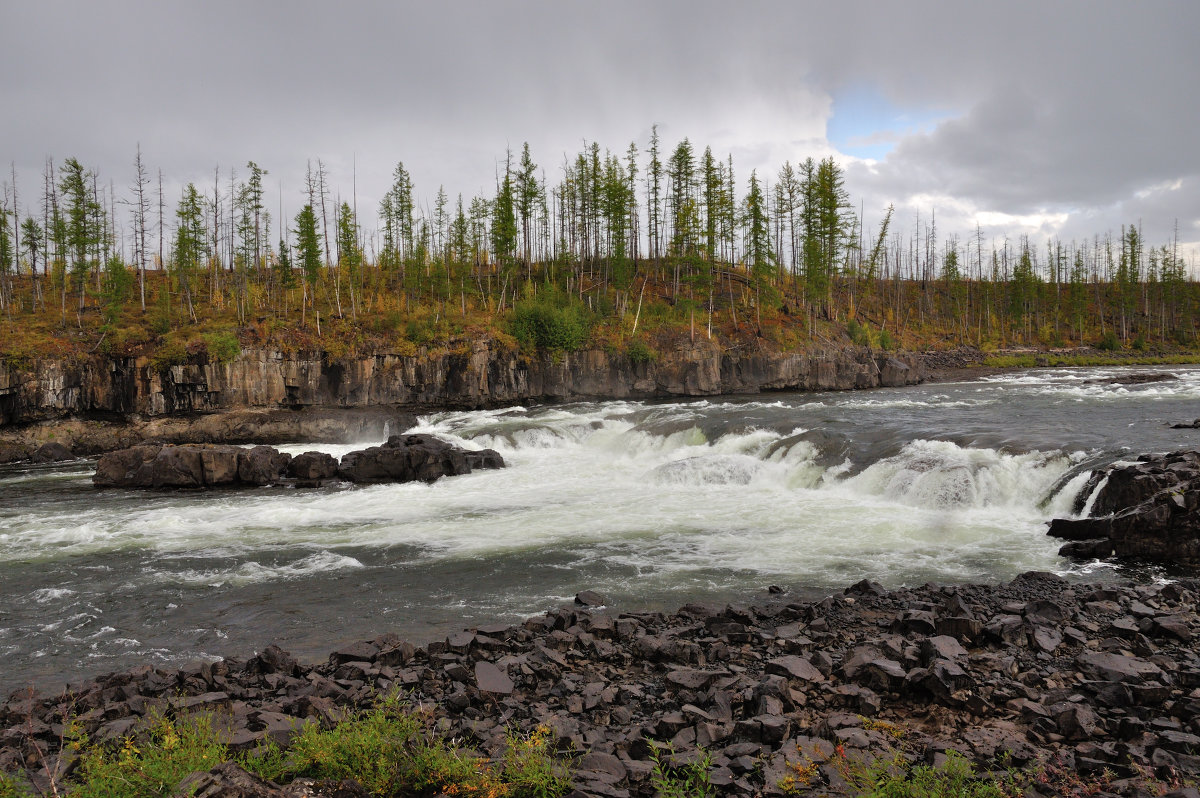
[549, 327]
[1108, 342]
[859, 335]
[639, 351]
[223, 346]
[151, 765]
[172, 352]
[688, 780]
[11, 788]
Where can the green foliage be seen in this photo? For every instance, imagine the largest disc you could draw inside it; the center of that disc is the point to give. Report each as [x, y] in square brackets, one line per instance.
[151, 764]
[115, 289]
[368, 748]
[10, 787]
[222, 346]
[530, 767]
[1109, 342]
[172, 352]
[688, 780]
[308, 244]
[638, 351]
[549, 325]
[954, 778]
[859, 335]
[392, 750]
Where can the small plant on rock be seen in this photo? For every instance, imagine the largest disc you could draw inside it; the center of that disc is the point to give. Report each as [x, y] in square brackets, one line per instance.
[687, 780]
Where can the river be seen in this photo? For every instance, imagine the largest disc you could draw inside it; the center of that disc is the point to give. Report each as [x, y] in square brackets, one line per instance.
[654, 504]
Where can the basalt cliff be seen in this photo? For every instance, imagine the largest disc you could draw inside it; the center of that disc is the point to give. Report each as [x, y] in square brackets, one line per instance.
[83, 401]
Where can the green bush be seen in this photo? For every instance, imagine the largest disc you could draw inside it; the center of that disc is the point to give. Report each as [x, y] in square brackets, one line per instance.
[639, 351]
[172, 352]
[151, 765]
[222, 347]
[1108, 342]
[549, 327]
[11, 788]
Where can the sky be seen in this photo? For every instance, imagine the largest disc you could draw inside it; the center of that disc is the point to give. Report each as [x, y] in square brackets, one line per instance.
[1066, 118]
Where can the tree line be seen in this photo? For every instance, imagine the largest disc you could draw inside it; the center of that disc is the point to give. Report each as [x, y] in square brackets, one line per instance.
[669, 227]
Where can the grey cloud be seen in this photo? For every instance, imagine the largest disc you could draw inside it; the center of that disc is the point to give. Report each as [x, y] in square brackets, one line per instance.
[1066, 106]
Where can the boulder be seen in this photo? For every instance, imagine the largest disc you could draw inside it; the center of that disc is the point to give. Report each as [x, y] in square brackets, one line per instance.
[311, 469]
[53, 452]
[262, 465]
[410, 458]
[1148, 509]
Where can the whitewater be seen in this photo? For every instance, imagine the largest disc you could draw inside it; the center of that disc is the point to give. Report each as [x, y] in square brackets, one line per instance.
[654, 504]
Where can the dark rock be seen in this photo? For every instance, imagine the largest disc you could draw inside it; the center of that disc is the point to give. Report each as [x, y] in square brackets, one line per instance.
[262, 465]
[227, 780]
[1098, 549]
[490, 679]
[313, 468]
[795, 667]
[590, 598]
[1149, 510]
[52, 452]
[410, 458]
[1111, 667]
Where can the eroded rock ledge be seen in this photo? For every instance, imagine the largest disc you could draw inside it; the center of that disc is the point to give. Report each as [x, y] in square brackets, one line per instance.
[1149, 510]
[1074, 678]
[403, 458]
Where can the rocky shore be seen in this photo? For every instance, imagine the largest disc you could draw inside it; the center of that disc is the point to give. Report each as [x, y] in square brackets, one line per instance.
[1081, 686]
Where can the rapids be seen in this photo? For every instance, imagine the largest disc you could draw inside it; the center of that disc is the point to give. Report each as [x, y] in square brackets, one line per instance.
[652, 503]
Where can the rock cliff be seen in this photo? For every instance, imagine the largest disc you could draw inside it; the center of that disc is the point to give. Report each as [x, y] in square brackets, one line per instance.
[102, 388]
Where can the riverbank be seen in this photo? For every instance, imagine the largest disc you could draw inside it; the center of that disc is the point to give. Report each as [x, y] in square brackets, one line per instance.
[100, 403]
[1064, 686]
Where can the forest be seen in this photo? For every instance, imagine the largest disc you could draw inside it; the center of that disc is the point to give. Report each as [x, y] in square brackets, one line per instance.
[632, 250]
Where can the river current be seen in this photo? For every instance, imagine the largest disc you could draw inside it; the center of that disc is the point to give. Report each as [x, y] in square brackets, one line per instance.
[654, 504]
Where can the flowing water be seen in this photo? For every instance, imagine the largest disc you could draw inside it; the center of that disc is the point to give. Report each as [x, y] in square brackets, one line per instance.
[652, 503]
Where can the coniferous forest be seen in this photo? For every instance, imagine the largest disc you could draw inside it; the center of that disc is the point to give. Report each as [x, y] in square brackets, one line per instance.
[637, 250]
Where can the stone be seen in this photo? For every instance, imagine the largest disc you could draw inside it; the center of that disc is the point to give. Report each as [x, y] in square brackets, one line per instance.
[262, 465]
[490, 679]
[795, 667]
[412, 458]
[53, 452]
[1112, 667]
[941, 647]
[313, 468]
[590, 598]
[227, 780]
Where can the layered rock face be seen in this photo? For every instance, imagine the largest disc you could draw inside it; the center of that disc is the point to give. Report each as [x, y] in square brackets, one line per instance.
[404, 458]
[1093, 685]
[102, 387]
[1148, 510]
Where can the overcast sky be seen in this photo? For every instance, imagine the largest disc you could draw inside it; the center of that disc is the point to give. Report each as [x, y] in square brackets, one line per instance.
[1067, 118]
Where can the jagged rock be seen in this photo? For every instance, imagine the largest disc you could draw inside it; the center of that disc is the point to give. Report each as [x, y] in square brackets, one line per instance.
[227, 780]
[589, 598]
[1117, 667]
[491, 679]
[262, 465]
[409, 458]
[1066, 697]
[1149, 509]
[401, 459]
